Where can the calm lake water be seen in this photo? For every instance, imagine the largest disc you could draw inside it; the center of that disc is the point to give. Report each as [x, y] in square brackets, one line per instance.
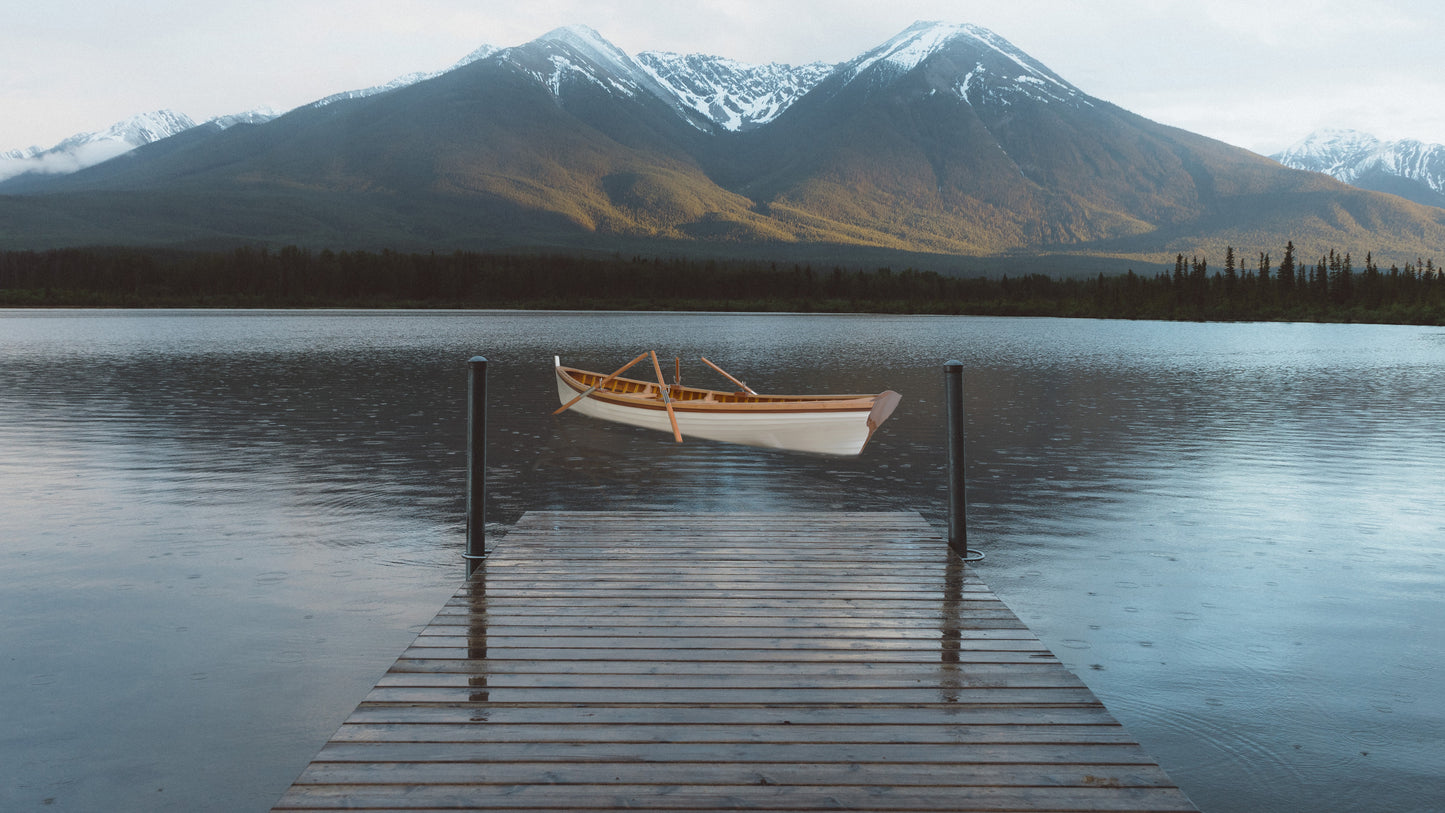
[217, 529]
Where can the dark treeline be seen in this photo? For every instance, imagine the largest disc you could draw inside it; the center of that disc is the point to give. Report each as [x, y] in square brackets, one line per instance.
[1331, 288]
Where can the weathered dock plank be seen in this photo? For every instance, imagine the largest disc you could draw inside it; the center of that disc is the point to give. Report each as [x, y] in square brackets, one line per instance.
[821, 661]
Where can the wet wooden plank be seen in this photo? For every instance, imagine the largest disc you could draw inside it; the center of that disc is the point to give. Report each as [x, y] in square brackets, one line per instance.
[453, 629]
[1044, 695]
[960, 652]
[579, 732]
[720, 642]
[1099, 756]
[759, 718]
[962, 775]
[1009, 675]
[564, 662]
[1109, 794]
[812, 661]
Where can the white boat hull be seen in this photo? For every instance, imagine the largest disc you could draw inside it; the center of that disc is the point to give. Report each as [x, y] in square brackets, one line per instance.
[831, 433]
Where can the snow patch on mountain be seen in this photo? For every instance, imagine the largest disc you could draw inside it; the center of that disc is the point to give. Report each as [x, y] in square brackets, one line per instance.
[1350, 156]
[592, 47]
[573, 51]
[481, 53]
[577, 52]
[88, 149]
[734, 95]
[909, 49]
[1000, 73]
[1338, 153]
[260, 115]
[363, 93]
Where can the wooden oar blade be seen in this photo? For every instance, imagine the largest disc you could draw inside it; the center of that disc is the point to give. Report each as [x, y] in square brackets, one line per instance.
[559, 410]
[666, 400]
[745, 387]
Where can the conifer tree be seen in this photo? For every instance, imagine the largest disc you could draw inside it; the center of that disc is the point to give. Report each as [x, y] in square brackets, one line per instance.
[1342, 283]
[1286, 272]
[1231, 276]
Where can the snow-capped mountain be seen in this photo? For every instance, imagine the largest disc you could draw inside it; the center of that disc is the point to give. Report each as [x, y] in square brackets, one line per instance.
[136, 130]
[1406, 167]
[577, 50]
[1000, 73]
[577, 54]
[735, 95]
[945, 139]
[709, 91]
[88, 149]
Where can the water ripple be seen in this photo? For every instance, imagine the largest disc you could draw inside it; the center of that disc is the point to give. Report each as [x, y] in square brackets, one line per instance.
[1235, 528]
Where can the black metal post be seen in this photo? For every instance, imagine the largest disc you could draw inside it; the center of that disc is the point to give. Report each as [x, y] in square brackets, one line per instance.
[953, 396]
[476, 463]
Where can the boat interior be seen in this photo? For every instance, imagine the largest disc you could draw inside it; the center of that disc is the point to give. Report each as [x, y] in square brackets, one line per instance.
[651, 390]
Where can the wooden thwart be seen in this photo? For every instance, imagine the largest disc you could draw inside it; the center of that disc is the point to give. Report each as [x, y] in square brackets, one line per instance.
[665, 661]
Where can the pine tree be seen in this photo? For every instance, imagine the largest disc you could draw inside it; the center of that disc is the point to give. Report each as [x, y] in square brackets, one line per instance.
[1231, 276]
[1179, 279]
[1198, 279]
[1286, 273]
[1342, 283]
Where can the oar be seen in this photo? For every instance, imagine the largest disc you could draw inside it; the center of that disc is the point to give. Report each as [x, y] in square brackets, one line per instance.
[746, 388]
[662, 388]
[604, 382]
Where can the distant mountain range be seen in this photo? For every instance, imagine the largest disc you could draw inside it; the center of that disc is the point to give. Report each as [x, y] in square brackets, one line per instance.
[1408, 168]
[88, 149]
[944, 142]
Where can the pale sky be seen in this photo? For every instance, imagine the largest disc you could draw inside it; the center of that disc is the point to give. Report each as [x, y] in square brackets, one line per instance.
[1259, 74]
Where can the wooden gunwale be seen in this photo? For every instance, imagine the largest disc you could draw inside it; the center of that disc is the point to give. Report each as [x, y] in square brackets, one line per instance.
[632, 392]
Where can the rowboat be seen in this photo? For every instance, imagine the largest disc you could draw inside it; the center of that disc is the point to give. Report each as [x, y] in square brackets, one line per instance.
[821, 424]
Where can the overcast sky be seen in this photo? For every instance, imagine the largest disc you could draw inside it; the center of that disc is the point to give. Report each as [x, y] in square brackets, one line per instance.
[1259, 74]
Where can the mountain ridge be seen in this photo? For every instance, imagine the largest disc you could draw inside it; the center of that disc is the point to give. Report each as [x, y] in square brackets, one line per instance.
[1406, 167]
[735, 95]
[945, 139]
[90, 148]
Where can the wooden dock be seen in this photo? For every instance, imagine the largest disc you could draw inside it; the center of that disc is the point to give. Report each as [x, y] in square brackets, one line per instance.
[663, 661]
